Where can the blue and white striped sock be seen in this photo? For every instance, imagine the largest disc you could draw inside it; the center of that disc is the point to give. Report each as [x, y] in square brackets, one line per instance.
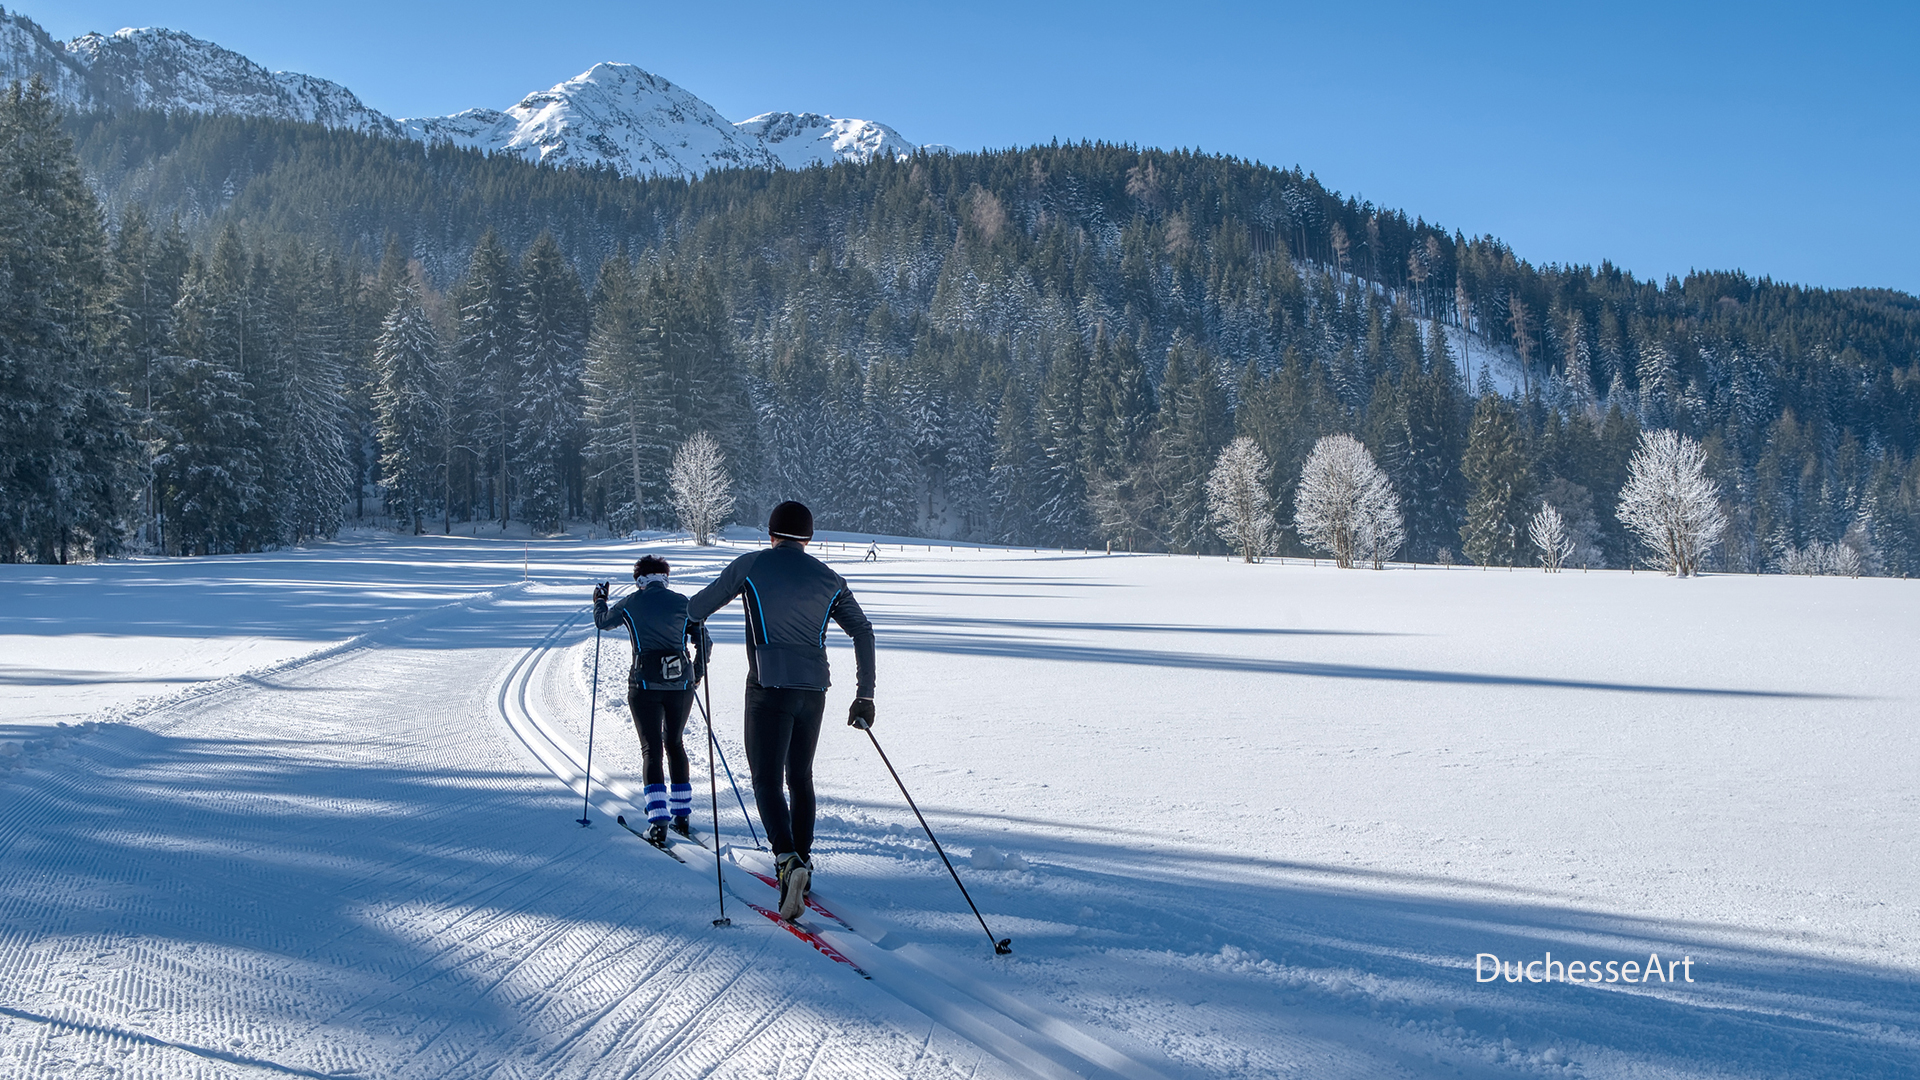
[681, 800]
[656, 804]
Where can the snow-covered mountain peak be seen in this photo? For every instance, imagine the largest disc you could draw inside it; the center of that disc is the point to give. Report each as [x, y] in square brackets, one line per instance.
[798, 140]
[612, 115]
[156, 68]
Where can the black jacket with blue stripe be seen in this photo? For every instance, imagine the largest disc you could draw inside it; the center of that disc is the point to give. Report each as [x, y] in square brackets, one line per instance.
[790, 596]
[657, 624]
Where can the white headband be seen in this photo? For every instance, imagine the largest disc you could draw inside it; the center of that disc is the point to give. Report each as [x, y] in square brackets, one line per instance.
[643, 582]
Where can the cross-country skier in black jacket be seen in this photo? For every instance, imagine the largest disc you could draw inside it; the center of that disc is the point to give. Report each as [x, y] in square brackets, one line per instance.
[789, 597]
[659, 686]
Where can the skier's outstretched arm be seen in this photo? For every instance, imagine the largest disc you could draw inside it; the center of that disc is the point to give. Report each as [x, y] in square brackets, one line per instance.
[846, 611]
[718, 593]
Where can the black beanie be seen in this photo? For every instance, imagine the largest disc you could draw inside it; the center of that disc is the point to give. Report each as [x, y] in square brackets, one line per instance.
[791, 521]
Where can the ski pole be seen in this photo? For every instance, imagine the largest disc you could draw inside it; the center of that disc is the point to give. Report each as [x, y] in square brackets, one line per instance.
[713, 799]
[593, 705]
[706, 714]
[1001, 946]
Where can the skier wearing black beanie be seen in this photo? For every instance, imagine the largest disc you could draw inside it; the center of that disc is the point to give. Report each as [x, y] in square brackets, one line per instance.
[789, 598]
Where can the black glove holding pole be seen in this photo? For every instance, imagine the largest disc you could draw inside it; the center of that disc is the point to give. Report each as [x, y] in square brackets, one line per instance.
[600, 593]
[860, 713]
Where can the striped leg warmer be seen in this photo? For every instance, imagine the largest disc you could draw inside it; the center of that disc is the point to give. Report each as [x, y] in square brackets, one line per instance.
[681, 800]
[656, 804]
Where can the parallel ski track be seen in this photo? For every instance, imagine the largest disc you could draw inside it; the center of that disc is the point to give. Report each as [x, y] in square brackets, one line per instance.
[1024, 1037]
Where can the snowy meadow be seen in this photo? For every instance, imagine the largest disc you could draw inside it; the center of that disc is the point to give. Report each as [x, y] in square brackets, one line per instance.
[312, 813]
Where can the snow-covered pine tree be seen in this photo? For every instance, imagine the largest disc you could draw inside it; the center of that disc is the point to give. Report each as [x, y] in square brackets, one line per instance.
[1434, 434]
[1018, 465]
[67, 461]
[311, 361]
[1060, 511]
[627, 409]
[217, 322]
[795, 421]
[207, 471]
[882, 472]
[1496, 466]
[1192, 425]
[486, 366]
[145, 278]
[407, 359]
[551, 355]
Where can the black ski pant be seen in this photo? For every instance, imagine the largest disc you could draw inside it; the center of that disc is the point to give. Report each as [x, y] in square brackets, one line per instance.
[660, 716]
[783, 728]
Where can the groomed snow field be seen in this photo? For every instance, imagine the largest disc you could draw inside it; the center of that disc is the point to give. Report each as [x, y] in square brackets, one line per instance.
[312, 813]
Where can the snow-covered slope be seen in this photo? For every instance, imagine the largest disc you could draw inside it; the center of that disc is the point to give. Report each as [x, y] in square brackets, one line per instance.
[612, 115]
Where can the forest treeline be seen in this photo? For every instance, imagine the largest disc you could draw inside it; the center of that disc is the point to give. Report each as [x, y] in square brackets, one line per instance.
[254, 330]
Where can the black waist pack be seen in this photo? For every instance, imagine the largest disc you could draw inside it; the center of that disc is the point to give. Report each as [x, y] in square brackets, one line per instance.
[662, 669]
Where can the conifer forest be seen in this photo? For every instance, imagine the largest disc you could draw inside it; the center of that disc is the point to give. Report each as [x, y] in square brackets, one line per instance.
[222, 334]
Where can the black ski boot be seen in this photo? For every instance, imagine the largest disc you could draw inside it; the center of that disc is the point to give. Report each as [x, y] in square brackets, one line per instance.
[657, 834]
[683, 826]
[796, 880]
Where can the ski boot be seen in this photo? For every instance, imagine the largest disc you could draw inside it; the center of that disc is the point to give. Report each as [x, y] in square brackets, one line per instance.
[796, 878]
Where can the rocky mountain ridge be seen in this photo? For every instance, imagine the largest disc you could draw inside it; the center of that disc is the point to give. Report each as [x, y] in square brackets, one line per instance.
[613, 115]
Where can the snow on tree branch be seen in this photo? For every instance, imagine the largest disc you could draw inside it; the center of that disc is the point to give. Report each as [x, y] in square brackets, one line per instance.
[1549, 533]
[1345, 505]
[1239, 501]
[1670, 503]
[702, 490]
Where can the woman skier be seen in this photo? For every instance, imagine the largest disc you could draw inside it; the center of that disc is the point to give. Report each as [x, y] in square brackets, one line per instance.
[659, 686]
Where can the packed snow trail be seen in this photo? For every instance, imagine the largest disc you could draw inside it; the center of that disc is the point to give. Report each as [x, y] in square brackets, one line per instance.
[1024, 1037]
[341, 868]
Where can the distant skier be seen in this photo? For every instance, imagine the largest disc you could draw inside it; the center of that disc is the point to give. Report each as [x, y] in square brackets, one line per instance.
[789, 598]
[873, 552]
[659, 686]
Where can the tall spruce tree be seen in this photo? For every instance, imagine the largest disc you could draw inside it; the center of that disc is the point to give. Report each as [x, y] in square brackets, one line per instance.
[551, 355]
[407, 358]
[1502, 500]
[67, 458]
[628, 413]
[486, 365]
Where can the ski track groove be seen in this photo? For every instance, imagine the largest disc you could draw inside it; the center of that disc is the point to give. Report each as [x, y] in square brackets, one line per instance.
[411, 929]
[1013, 1027]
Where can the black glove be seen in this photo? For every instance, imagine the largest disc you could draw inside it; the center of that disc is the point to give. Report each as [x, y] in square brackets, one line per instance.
[600, 593]
[860, 713]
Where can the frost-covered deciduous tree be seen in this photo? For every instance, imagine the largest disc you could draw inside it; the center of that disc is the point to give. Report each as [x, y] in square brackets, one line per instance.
[1239, 499]
[1670, 503]
[1345, 504]
[1549, 533]
[1382, 530]
[702, 490]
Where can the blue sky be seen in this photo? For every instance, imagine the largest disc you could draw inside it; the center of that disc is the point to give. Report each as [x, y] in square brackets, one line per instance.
[1783, 140]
